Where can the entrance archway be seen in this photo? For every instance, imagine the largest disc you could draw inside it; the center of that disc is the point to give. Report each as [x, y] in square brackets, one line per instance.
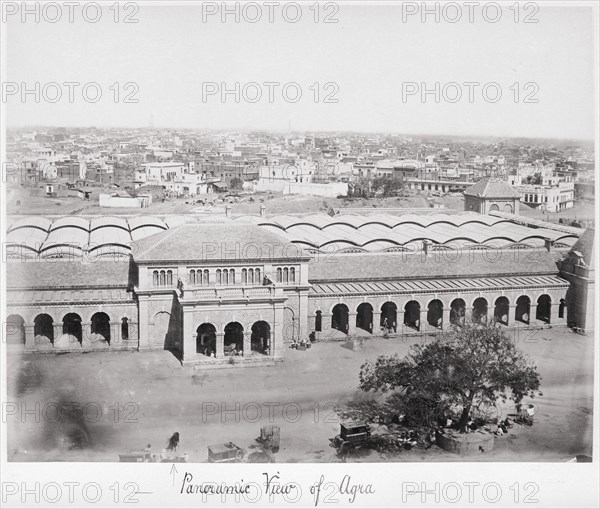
[43, 328]
[480, 310]
[260, 340]
[206, 339]
[101, 326]
[522, 309]
[339, 318]
[457, 312]
[389, 316]
[501, 310]
[364, 317]
[72, 326]
[234, 338]
[15, 330]
[544, 308]
[435, 313]
[412, 315]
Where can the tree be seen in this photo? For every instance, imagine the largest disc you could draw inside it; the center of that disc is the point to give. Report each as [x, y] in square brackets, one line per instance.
[461, 370]
[236, 183]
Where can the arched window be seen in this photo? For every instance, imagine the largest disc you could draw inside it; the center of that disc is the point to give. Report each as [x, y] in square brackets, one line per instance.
[257, 276]
[162, 278]
[219, 280]
[251, 276]
[192, 277]
[225, 275]
[206, 279]
[293, 275]
[155, 281]
[169, 277]
[244, 276]
[231, 276]
[279, 275]
[285, 275]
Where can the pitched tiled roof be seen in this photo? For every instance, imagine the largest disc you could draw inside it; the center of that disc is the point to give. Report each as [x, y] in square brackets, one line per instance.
[490, 187]
[463, 264]
[585, 245]
[198, 242]
[43, 274]
[438, 285]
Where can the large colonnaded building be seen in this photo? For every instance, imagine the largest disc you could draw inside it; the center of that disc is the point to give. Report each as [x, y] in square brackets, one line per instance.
[203, 286]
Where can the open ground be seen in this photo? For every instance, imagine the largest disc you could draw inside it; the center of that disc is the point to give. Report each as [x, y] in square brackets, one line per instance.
[135, 398]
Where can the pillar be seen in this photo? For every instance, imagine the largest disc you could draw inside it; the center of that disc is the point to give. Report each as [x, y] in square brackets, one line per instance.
[58, 330]
[446, 318]
[277, 332]
[143, 325]
[377, 322]
[512, 317]
[220, 348]
[189, 339]
[86, 336]
[351, 323]
[29, 337]
[247, 348]
[532, 314]
[490, 313]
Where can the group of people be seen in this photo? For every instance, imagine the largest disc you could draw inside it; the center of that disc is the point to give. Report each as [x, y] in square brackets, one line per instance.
[302, 344]
[387, 328]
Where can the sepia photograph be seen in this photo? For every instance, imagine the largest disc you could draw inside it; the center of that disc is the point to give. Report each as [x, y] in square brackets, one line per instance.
[346, 249]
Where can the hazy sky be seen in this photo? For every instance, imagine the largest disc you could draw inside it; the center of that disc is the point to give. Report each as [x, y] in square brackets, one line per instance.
[368, 54]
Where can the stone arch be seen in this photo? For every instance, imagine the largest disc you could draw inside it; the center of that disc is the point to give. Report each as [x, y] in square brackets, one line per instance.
[458, 310]
[543, 310]
[522, 309]
[508, 208]
[234, 337]
[43, 329]
[435, 313]
[15, 330]
[501, 310]
[364, 317]
[260, 339]
[412, 314]
[100, 327]
[389, 316]
[494, 208]
[480, 310]
[339, 318]
[72, 326]
[206, 339]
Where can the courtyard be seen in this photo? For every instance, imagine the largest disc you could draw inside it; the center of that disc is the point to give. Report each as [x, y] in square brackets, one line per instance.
[136, 398]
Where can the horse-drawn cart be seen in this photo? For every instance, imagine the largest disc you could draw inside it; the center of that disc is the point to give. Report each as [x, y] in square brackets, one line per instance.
[225, 453]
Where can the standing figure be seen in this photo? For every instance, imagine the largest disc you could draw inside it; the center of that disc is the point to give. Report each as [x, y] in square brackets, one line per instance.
[173, 442]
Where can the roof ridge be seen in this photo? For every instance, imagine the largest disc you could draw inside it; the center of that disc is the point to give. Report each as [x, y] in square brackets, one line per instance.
[165, 235]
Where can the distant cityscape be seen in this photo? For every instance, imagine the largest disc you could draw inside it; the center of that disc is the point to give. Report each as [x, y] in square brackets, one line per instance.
[133, 168]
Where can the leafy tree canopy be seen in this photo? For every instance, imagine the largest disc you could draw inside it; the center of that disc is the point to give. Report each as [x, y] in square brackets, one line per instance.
[467, 367]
